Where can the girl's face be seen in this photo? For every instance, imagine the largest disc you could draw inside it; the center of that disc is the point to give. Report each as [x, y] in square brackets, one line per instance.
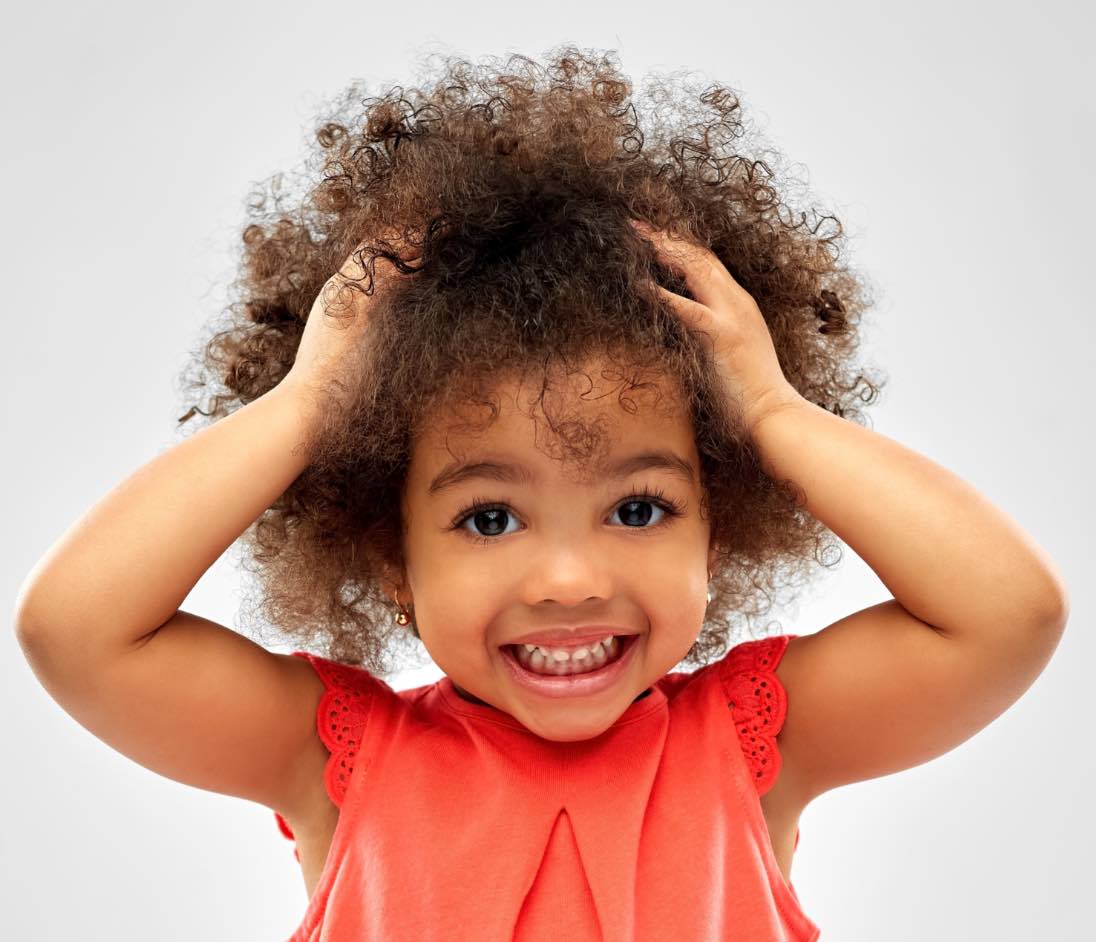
[564, 552]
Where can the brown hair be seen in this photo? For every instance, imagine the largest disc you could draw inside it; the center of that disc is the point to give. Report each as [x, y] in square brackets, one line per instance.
[516, 183]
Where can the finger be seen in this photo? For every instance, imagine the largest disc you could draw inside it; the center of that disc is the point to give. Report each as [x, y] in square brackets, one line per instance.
[694, 314]
[360, 274]
[706, 276]
[407, 251]
[388, 238]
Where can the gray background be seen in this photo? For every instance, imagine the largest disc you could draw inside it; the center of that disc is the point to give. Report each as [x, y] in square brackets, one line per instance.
[953, 140]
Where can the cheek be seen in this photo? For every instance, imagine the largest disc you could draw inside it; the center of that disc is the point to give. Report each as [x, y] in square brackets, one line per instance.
[675, 608]
[465, 587]
[457, 624]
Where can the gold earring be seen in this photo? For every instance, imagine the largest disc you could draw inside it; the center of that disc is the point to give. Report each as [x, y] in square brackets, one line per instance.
[709, 588]
[403, 617]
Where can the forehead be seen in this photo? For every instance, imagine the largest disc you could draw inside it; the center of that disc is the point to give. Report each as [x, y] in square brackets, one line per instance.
[574, 423]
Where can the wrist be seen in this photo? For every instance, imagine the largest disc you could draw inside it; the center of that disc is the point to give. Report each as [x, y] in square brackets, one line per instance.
[774, 403]
[302, 395]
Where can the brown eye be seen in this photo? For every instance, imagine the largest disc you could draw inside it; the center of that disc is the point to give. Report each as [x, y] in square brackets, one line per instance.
[490, 521]
[637, 512]
[489, 518]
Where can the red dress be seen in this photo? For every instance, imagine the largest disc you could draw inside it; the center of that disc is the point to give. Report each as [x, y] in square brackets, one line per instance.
[456, 822]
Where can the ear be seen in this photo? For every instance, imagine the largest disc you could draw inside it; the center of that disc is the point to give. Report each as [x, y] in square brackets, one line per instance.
[713, 555]
[389, 577]
[393, 582]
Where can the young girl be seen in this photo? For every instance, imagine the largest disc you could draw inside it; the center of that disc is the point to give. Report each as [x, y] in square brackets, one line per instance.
[562, 403]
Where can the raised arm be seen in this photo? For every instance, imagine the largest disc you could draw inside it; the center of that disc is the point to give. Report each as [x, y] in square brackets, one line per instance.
[99, 622]
[978, 607]
[122, 570]
[98, 616]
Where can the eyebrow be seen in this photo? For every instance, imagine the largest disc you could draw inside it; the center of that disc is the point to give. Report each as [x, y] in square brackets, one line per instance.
[459, 472]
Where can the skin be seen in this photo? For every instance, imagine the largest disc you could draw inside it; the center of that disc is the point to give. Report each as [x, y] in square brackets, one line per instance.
[567, 551]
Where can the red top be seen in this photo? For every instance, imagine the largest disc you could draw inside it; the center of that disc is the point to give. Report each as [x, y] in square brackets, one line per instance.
[457, 822]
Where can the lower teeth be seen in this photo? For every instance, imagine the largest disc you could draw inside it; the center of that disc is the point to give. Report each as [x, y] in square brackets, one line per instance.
[554, 668]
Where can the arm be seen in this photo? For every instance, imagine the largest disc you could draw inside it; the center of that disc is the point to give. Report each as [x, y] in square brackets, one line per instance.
[978, 610]
[947, 554]
[122, 570]
[950, 557]
[98, 618]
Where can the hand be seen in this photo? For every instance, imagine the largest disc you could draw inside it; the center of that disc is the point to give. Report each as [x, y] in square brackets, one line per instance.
[731, 322]
[339, 314]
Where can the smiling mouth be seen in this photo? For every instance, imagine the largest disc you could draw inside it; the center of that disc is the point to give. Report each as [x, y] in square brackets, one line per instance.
[537, 664]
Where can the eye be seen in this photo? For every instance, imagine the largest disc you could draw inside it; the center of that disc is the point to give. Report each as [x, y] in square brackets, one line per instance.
[490, 515]
[493, 516]
[637, 512]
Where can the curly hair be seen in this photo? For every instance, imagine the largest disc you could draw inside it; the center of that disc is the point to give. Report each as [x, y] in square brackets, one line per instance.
[517, 181]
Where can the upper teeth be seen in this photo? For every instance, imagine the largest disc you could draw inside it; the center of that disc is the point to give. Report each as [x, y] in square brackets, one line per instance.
[578, 654]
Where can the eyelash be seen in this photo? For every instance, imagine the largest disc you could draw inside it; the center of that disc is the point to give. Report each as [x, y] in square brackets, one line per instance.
[670, 506]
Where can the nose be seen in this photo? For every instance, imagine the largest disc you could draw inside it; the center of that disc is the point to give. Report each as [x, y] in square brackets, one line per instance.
[569, 573]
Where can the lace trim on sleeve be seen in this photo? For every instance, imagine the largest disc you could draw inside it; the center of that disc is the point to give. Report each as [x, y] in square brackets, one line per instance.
[341, 716]
[758, 703]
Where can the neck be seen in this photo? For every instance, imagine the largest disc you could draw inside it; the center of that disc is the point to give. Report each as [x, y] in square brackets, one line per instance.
[467, 696]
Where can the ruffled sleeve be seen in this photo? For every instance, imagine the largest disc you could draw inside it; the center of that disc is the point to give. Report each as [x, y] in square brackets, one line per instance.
[341, 718]
[758, 703]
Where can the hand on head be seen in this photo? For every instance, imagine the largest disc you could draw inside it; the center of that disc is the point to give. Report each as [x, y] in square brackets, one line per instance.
[341, 310]
[730, 321]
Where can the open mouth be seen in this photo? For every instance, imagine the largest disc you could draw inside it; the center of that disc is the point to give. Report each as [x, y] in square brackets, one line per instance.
[536, 666]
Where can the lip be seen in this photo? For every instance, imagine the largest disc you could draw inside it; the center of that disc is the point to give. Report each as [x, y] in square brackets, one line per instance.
[575, 685]
[571, 637]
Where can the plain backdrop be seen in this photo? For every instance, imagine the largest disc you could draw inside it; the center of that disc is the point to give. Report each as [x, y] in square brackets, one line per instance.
[953, 140]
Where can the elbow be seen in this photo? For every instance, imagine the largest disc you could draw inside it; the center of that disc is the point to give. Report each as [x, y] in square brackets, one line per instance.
[1055, 604]
[22, 619]
[1046, 599]
[1058, 612]
[29, 616]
